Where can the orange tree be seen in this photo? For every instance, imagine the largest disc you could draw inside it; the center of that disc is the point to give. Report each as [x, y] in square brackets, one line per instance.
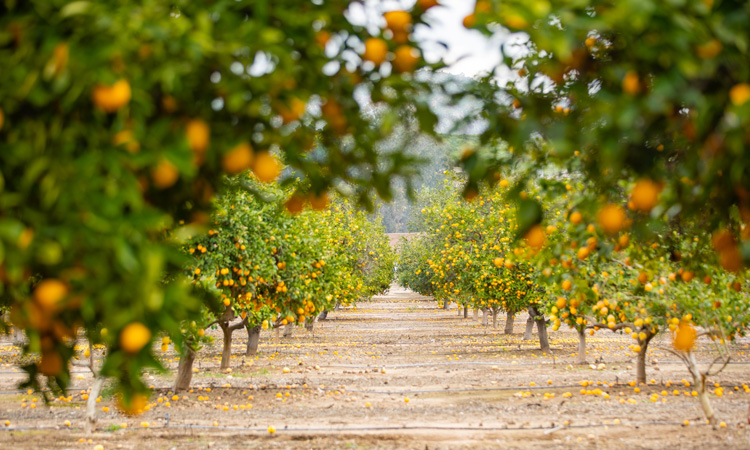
[117, 123]
[474, 260]
[273, 267]
[652, 91]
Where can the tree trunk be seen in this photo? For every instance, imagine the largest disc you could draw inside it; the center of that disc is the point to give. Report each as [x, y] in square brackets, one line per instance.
[185, 368]
[253, 338]
[91, 405]
[476, 315]
[226, 352]
[466, 311]
[541, 328]
[310, 324]
[509, 319]
[288, 330]
[640, 367]
[699, 381]
[529, 327]
[445, 304]
[495, 311]
[323, 315]
[458, 310]
[485, 317]
[581, 346]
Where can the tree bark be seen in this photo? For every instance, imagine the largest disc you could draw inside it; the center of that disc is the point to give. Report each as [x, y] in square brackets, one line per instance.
[495, 311]
[445, 304]
[185, 368]
[458, 310]
[323, 315]
[485, 317]
[529, 327]
[226, 352]
[699, 381]
[91, 405]
[310, 324]
[253, 338]
[288, 330]
[581, 346]
[541, 328]
[476, 315]
[640, 367]
[466, 311]
[510, 318]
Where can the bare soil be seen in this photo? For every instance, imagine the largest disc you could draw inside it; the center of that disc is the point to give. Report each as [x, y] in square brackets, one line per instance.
[468, 387]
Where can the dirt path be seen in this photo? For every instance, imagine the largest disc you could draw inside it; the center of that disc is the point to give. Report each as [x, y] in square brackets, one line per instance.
[346, 386]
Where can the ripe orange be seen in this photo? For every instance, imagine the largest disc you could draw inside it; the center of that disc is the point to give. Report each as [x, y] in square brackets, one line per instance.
[292, 111]
[731, 259]
[630, 83]
[198, 135]
[111, 98]
[48, 295]
[397, 21]
[318, 201]
[405, 59]
[684, 337]
[134, 337]
[612, 218]
[535, 237]
[722, 239]
[51, 364]
[645, 195]
[470, 20]
[295, 204]
[126, 139]
[561, 302]
[266, 167]
[376, 51]
[427, 4]
[643, 278]
[164, 174]
[739, 94]
[133, 405]
[687, 276]
[576, 218]
[583, 253]
[566, 285]
[59, 58]
[238, 159]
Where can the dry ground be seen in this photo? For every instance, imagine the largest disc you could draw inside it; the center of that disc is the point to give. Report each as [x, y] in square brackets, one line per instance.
[468, 386]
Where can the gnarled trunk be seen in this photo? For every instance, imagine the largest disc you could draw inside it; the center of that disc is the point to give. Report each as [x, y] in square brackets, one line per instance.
[581, 346]
[529, 327]
[310, 324]
[699, 381]
[185, 368]
[91, 404]
[288, 330]
[323, 315]
[253, 338]
[510, 317]
[640, 367]
[541, 328]
[226, 352]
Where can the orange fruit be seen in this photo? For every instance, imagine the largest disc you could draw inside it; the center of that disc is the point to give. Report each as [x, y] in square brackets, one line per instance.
[583, 253]
[722, 240]
[169, 103]
[645, 194]
[535, 237]
[405, 59]
[566, 285]
[266, 167]
[709, 50]
[469, 21]
[198, 135]
[134, 337]
[687, 276]
[164, 174]
[731, 259]
[133, 405]
[427, 4]
[376, 51]
[643, 278]
[630, 83]
[51, 364]
[612, 218]
[59, 58]
[576, 218]
[623, 240]
[295, 204]
[126, 139]
[238, 159]
[322, 38]
[739, 94]
[292, 111]
[111, 98]
[2, 118]
[48, 295]
[318, 201]
[684, 337]
[397, 21]
[561, 302]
